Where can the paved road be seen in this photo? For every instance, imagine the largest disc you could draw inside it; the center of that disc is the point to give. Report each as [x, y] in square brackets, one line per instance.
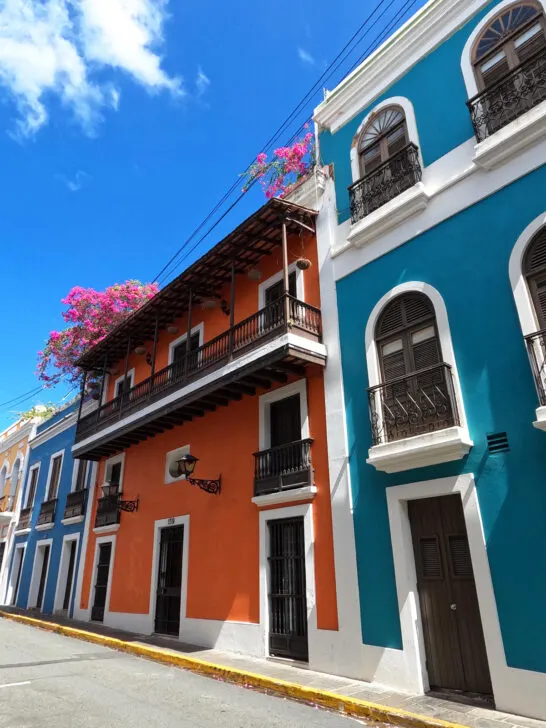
[55, 681]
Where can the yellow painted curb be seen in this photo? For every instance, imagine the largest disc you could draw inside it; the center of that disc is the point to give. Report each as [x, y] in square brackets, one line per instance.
[332, 701]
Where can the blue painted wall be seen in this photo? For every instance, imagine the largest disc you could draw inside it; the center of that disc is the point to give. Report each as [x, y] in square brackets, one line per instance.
[436, 88]
[466, 260]
[42, 455]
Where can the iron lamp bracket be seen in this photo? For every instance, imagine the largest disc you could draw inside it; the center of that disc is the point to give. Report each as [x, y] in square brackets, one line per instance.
[209, 486]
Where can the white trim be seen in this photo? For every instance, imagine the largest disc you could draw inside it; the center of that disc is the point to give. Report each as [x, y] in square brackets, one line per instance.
[19, 461]
[265, 401]
[65, 423]
[305, 511]
[197, 329]
[411, 125]
[37, 566]
[102, 540]
[72, 521]
[59, 453]
[159, 525]
[79, 613]
[170, 457]
[44, 527]
[293, 495]
[467, 67]
[291, 340]
[22, 532]
[25, 431]
[11, 594]
[108, 464]
[114, 528]
[276, 278]
[35, 466]
[130, 377]
[516, 691]
[62, 575]
[520, 289]
[428, 28]
[77, 463]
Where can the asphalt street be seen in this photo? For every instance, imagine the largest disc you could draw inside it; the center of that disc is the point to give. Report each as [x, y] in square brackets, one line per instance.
[52, 680]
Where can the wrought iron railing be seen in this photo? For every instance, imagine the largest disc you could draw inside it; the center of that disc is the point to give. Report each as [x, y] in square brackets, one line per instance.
[24, 518]
[413, 405]
[107, 511]
[47, 512]
[285, 314]
[509, 97]
[283, 467]
[399, 173]
[7, 503]
[536, 348]
[75, 504]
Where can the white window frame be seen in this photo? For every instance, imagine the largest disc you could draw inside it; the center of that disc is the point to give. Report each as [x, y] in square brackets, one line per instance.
[176, 454]
[265, 401]
[113, 461]
[275, 278]
[197, 329]
[37, 571]
[75, 468]
[62, 575]
[130, 377]
[32, 468]
[13, 484]
[411, 125]
[59, 453]
[98, 541]
[4, 470]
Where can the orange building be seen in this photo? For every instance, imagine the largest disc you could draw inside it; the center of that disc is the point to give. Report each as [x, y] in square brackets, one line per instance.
[238, 553]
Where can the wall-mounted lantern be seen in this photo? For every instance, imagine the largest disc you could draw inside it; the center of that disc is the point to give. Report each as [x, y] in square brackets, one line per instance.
[185, 466]
[110, 491]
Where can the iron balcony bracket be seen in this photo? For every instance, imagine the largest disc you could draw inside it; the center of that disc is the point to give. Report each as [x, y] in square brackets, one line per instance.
[130, 506]
[209, 486]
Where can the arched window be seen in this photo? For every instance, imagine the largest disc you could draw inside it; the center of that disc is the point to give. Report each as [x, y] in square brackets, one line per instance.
[534, 270]
[383, 136]
[15, 476]
[3, 477]
[407, 337]
[512, 37]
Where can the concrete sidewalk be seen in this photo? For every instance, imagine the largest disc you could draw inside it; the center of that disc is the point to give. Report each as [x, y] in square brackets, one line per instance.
[352, 697]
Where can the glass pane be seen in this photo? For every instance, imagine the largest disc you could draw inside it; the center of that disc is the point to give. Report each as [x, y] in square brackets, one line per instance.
[503, 26]
[524, 37]
[423, 335]
[391, 347]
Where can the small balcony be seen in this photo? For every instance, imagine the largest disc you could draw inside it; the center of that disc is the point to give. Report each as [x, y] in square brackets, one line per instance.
[510, 97]
[108, 511]
[75, 505]
[7, 506]
[24, 519]
[46, 517]
[397, 174]
[415, 421]
[283, 468]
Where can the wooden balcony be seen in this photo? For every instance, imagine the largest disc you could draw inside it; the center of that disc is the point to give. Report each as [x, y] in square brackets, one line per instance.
[108, 511]
[283, 468]
[221, 355]
[75, 504]
[24, 519]
[47, 512]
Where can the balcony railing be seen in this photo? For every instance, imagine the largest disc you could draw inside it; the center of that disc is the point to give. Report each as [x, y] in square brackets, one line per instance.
[536, 347]
[414, 404]
[47, 512]
[283, 467]
[509, 97]
[281, 316]
[7, 503]
[107, 511]
[24, 518]
[75, 504]
[399, 173]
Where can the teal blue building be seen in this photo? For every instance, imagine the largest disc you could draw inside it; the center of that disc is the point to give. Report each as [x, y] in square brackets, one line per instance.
[436, 247]
[49, 534]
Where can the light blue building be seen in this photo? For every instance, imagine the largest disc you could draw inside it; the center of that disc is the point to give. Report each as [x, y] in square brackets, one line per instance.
[49, 533]
[432, 234]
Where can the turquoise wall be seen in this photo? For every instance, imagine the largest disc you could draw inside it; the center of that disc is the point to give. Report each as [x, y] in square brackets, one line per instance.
[466, 259]
[436, 88]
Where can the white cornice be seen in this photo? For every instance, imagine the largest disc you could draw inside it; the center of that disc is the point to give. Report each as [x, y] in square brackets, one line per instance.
[20, 434]
[64, 424]
[424, 31]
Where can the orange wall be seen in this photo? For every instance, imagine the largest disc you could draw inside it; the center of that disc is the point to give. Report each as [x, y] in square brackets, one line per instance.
[223, 575]
[216, 322]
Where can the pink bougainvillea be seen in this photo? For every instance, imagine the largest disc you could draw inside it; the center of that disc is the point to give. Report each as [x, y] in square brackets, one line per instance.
[288, 165]
[90, 316]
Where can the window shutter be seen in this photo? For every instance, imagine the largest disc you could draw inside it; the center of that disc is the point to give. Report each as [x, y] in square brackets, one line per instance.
[459, 554]
[394, 365]
[405, 311]
[492, 74]
[534, 268]
[530, 42]
[431, 559]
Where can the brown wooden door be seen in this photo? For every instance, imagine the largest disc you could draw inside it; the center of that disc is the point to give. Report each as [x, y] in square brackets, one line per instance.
[285, 420]
[454, 643]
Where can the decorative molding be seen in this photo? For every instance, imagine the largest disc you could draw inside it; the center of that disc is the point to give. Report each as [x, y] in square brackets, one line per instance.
[73, 520]
[107, 529]
[61, 425]
[388, 216]
[419, 35]
[308, 191]
[307, 493]
[44, 527]
[26, 430]
[22, 532]
[420, 451]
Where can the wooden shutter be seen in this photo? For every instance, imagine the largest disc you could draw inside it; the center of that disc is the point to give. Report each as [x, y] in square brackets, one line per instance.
[534, 269]
[55, 473]
[493, 72]
[459, 554]
[431, 559]
[530, 42]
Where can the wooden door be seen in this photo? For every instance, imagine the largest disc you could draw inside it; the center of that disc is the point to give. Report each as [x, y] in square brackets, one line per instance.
[285, 420]
[452, 628]
[101, 582]
[2, 552]
[287, 595]
[70, 575]
[43, 576]
[169, 581]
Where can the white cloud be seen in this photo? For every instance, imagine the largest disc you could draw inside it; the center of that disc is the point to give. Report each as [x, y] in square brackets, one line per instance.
[77, 182]
[202, 82]
[56, 47]
[305, 56]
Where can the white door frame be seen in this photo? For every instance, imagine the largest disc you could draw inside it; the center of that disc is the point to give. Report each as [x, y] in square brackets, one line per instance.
[12, 593]
[98, 541]
[62, 575]
[37, 572]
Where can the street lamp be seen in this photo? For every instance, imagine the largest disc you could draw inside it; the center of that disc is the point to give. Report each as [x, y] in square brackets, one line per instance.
[186, 465]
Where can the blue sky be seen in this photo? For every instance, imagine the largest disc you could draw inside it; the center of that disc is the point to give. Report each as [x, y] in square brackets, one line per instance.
[121, 124]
